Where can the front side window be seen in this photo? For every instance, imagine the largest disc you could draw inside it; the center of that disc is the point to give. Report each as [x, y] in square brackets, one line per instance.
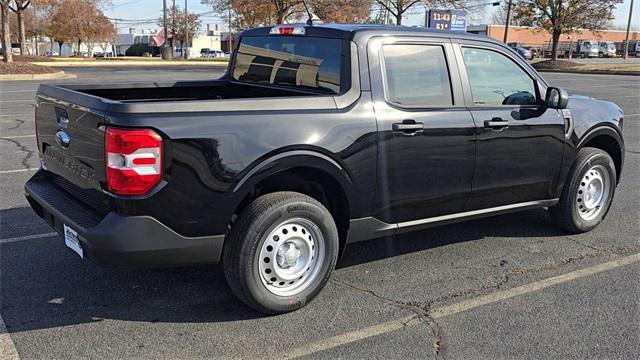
[297, 62]
[496, 80]
[416, 75]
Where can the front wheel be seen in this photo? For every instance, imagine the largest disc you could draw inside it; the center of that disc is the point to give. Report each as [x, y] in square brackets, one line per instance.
[588, 192]
[281, 252]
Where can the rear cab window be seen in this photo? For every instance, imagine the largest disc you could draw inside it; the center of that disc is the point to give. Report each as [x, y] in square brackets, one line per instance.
[416, 75]
[317, 65]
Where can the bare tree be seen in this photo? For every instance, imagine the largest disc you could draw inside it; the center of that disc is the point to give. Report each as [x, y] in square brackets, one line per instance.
[6, 31]
[19, 6]
[251, 13]
[398, 8]
[180, 31]
[342, 11]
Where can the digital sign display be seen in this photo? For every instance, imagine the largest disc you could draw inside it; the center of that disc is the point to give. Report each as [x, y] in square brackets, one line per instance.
[454, 20]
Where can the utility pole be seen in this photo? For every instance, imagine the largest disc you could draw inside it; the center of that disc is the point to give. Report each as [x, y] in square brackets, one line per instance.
[625, 55]
[229, 28]
[37, 31]
[115, 40]
[164, 25]
[186, 30]
[426, 16]
[173, 30]
[506, 26]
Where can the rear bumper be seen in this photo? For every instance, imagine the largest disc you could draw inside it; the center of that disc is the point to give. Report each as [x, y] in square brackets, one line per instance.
[118, 241]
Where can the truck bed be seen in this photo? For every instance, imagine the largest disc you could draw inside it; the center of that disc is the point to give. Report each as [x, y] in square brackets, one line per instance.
[180, 91]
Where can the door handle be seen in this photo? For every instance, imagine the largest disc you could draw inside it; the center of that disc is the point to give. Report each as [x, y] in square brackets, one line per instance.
[408, 127]
[496, 123]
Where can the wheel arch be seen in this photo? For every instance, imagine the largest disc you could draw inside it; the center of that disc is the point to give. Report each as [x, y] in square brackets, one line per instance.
[306, 171]
[607, 139]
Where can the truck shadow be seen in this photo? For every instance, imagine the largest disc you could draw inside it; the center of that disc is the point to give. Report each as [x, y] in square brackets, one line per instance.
[45, 285]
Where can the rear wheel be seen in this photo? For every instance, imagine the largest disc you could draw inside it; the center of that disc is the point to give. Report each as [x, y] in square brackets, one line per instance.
[588, 193]
[281, 252]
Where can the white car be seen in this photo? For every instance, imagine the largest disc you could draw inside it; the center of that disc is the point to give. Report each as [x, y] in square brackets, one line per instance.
[192, 53]
[51, 53]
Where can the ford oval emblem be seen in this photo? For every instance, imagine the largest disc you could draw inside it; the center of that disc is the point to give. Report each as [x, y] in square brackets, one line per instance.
[63, 139]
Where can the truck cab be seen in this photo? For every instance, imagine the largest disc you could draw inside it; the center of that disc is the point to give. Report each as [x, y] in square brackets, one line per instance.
[588, 48]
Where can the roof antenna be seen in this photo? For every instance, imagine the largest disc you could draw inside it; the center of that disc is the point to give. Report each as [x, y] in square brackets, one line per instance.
[312, 17]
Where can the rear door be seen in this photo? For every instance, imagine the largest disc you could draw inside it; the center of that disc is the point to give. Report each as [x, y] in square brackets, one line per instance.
[425, 133]
[519, 141]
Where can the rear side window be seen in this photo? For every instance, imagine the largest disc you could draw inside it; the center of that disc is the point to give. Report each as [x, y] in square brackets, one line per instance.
[292, 61]
[416, 75]
[496, 80]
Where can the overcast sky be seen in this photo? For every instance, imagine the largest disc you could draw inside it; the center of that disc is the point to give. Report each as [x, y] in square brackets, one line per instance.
[144, 13]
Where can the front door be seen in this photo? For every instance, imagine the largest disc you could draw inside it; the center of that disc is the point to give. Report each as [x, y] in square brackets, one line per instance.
[425, 133]
[520, 142]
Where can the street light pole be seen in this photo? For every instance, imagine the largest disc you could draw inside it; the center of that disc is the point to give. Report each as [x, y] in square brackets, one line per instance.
[186, 30]
[164, 25]
[625, 55]
[229, 29]
[506, 26]
[173, 30]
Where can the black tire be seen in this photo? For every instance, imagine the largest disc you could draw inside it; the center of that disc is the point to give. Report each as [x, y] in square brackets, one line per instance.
[241, 255]
[565, 213]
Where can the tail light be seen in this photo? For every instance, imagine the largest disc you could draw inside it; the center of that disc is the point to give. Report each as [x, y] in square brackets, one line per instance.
[133, 160]
[287, 30]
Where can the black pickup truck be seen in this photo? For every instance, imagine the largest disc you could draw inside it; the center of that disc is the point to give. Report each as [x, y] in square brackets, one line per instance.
[316, 137]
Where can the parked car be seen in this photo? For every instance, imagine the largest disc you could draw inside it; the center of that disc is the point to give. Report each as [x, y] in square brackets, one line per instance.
[318, 137]
[588, 48]
[524, 52]
[51, 53]
[607, 49]
[193, 54]
[535, 52]
[213, 54]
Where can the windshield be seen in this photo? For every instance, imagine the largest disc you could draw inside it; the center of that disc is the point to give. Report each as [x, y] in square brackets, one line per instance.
[291, 61]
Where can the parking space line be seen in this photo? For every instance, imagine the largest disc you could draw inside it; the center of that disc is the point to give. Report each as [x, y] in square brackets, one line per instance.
[390, 326]
[8, 349]
[15, 115]
[28, 237]
[17, 171]
[17, 136]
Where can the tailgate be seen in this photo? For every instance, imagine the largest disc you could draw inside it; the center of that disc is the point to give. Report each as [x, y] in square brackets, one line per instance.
[71, 135]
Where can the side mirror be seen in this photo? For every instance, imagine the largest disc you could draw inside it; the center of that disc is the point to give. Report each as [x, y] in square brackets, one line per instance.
[556, 98]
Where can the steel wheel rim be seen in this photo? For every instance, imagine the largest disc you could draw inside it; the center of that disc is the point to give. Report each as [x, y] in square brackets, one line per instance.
[593, 192]
[291, 257]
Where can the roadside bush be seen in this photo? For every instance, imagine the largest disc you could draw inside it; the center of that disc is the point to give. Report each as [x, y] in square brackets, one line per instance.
[138, 50]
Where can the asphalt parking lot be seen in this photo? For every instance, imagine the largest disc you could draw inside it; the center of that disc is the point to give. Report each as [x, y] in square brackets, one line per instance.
[512, 286]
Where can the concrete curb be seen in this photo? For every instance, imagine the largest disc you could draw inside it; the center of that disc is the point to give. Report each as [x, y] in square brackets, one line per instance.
[49, 76]
[594, 72]
[131, 63]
